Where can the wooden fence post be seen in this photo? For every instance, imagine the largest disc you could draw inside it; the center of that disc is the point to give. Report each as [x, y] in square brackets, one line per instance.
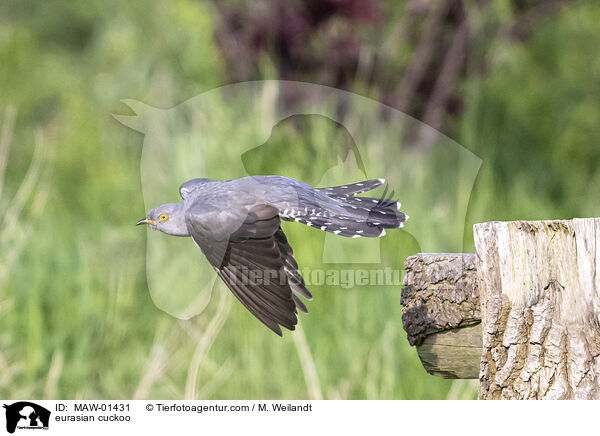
[539, 284]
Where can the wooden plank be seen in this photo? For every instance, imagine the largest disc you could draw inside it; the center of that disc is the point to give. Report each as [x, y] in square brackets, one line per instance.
[441, 313]
[453, 353]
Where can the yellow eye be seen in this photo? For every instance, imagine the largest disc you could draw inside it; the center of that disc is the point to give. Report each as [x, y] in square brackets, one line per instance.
[163, 217]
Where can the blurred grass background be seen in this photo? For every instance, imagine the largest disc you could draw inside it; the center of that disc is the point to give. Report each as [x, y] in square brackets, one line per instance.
[515, 82]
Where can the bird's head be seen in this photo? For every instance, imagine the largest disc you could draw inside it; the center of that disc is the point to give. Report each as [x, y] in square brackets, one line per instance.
[168, 218]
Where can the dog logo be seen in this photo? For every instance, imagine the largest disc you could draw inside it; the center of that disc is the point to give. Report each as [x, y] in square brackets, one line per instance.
[26, 415]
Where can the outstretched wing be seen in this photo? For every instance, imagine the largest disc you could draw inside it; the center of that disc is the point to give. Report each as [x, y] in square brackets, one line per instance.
[255, 261]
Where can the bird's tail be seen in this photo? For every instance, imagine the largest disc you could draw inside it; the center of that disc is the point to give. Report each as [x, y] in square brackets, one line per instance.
[344, 214]
[352, 189]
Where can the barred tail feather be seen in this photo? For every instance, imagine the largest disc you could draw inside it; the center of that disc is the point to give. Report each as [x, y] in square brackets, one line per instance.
[361, 216]
[352, 189]
[341, 213]
[343, 226]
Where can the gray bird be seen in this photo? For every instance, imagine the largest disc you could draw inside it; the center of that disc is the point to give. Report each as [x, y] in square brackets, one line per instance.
[237, 225]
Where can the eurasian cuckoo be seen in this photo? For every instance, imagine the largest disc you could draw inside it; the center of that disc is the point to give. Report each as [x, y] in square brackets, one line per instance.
[237, 225]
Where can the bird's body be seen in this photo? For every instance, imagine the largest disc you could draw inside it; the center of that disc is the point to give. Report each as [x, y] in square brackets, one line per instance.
[236, 224]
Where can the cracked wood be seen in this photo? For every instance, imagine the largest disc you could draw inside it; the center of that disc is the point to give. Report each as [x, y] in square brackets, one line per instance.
[539, 286]
[441, 313]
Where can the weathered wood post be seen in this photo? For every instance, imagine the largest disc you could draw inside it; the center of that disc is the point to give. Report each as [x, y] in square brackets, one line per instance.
[538, 286]
[441, 313]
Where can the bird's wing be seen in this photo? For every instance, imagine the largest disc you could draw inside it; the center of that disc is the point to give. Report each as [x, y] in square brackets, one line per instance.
[191, 185]
[255, 262]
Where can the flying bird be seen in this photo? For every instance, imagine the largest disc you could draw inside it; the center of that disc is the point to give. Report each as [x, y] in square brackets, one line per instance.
[237, 226]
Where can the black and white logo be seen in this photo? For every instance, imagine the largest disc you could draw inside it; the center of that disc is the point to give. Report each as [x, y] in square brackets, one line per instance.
[26, 415]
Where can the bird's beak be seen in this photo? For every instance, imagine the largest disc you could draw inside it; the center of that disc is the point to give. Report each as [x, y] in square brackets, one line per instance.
[145, 221]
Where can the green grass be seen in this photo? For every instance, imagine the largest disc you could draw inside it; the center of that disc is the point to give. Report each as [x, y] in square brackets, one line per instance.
[78, 313]
[79, 319]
